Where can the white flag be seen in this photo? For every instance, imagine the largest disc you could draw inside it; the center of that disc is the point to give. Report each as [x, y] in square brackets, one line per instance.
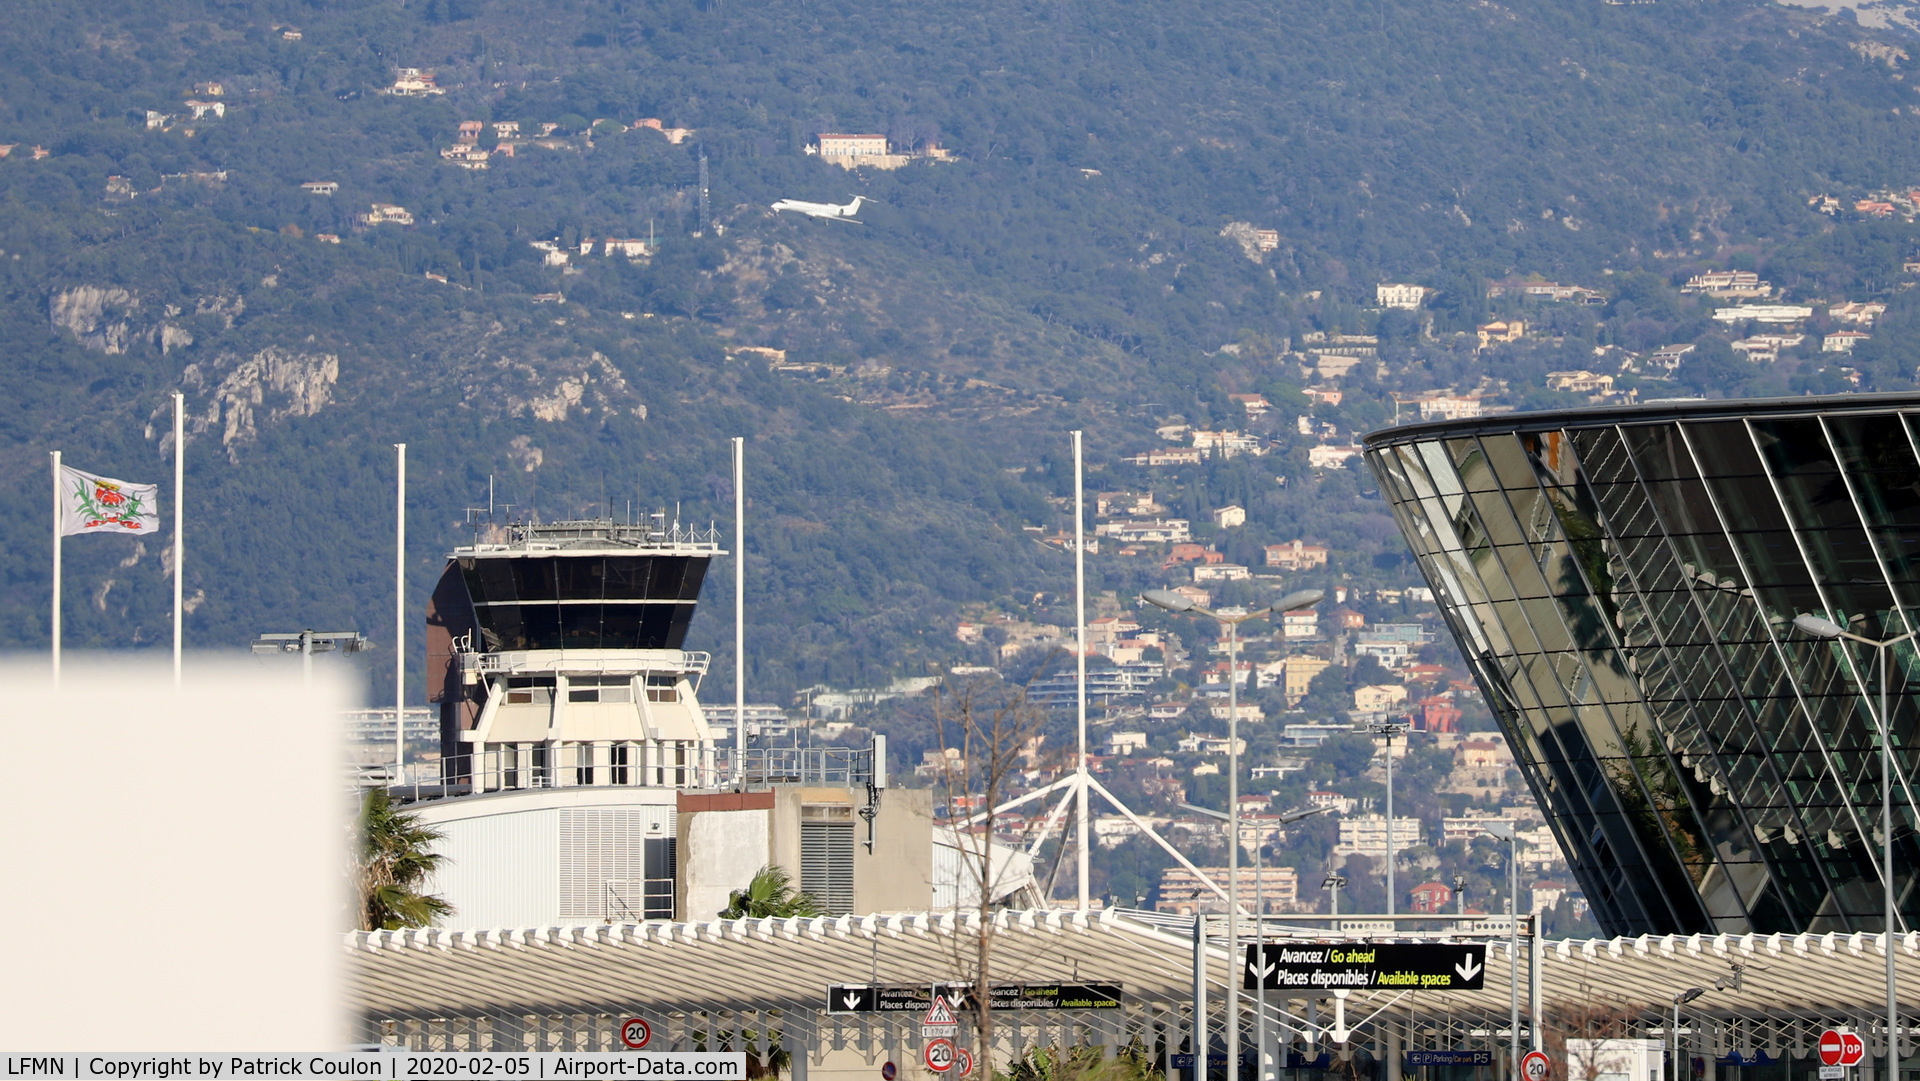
[90, 504]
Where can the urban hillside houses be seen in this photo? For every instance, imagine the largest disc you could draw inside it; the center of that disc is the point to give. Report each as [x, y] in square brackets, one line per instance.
[1296, 555]
[871, 151]
[387, 214]
[1728, 284]
[1396, 295]
[1764, 313]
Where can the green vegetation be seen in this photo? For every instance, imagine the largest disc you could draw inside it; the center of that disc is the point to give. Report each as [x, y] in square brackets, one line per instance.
[1067, 269]
[770, 893]
[395, 859]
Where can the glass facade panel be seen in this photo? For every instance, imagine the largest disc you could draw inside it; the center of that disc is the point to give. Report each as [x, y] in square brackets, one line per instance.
[1624, 586]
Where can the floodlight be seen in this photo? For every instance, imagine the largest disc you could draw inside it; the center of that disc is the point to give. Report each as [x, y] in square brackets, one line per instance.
[1168, 599]
[1305, 598]
[1818, 627]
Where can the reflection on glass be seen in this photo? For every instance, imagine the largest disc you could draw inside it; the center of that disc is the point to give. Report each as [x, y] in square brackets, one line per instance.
[1624, 594]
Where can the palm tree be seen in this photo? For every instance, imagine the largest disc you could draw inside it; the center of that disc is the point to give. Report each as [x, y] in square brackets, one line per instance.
[395, 857]
[770, 893]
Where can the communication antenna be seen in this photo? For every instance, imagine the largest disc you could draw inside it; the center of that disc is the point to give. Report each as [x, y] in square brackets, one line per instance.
[703, 191]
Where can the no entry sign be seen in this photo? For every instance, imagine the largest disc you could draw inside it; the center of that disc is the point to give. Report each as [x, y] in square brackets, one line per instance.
[1841, 1048]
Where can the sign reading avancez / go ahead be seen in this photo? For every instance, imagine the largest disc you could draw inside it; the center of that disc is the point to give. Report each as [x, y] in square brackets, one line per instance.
[1280, 966]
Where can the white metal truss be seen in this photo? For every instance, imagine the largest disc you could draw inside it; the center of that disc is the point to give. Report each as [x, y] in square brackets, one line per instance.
[713, 982]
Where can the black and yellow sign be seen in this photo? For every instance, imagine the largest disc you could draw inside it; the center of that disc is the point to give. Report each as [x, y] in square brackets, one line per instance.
[1394, 966]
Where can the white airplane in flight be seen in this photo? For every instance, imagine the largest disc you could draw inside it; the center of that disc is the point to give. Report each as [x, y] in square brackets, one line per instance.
[829, 211]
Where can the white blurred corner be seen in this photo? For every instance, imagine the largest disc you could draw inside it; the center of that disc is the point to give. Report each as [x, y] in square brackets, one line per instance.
[175, 861]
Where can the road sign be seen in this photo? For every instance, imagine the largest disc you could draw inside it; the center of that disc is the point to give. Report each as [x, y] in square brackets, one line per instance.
[635, 1033]
[1852, 1049]
[850, 998]
[1832, 1073]
[1831, 1048]
[919, 998]
[939, 1023]
[1449, 1058]
[964, 1065]
[939, 1055]
[889, 1072]
[1536, 1066]
[1339, 965]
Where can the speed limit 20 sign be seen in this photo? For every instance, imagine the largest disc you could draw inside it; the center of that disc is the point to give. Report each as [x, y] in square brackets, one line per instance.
[939, 1055]
[635, 1033]
[1537, 1067]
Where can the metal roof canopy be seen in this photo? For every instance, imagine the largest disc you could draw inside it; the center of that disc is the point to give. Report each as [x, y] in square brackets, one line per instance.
[436, 984]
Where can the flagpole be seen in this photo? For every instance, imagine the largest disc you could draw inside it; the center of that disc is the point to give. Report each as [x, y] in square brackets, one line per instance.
[739, 612]
[56, 568]
[400, 617]
[179, 518]
[1080, 652]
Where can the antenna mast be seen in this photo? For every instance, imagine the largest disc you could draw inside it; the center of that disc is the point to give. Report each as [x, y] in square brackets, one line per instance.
[703, 192]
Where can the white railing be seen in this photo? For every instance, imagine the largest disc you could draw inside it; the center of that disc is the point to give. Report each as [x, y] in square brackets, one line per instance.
[629, 764]
[692, 662]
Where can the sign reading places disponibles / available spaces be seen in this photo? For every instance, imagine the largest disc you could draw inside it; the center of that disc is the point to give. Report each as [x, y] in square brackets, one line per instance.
[919, 998]
[1402, 966]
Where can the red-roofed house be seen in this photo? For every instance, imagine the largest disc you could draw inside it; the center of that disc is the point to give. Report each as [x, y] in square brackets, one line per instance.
[1431, 897]
[1296, 555]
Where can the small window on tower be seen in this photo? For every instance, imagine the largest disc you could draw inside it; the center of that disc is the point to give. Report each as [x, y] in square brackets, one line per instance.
[663, 688]
[529, 690]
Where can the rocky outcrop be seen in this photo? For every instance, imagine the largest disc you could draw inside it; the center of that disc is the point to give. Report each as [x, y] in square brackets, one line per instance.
[584, 387]
[101, 317]
[271, 384]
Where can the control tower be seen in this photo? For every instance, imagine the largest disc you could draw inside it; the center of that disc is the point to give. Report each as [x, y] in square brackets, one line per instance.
[554, 653]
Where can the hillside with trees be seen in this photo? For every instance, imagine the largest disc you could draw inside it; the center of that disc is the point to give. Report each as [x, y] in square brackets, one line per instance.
[1081, 259]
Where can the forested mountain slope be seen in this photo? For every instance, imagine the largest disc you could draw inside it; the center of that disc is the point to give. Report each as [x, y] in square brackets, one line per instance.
[1067, 267]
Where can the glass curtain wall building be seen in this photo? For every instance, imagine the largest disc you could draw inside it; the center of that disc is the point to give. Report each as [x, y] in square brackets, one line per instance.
[1624, 583]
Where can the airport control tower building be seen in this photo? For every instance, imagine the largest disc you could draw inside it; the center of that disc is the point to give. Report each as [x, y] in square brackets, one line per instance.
[555, 655]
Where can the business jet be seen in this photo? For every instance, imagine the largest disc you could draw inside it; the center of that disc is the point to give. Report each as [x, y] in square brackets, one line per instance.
[829, 211]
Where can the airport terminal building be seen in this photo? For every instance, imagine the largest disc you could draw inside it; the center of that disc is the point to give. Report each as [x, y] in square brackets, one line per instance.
[1624, 584]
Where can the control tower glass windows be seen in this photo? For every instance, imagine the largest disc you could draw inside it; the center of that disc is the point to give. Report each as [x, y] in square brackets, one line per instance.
[583, 601]
[663, 688]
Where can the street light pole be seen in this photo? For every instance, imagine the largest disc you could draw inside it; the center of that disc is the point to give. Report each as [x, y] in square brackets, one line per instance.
[1257, 966]
[1826, 628]
[1233, 848]
[1688, 995]
[1173, 602]
[1334, 882]
[1509, 832]
[1389, 729]
[307, 643]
